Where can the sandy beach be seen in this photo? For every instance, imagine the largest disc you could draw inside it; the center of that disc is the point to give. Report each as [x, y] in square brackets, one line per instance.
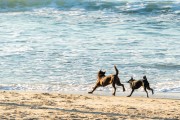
[40, 106]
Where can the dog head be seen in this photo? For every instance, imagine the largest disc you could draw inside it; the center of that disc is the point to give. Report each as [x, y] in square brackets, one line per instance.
[131, 80]
[144, 77]
[101, 73]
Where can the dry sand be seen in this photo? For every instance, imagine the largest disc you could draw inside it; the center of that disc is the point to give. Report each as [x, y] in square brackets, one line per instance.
[55, 106]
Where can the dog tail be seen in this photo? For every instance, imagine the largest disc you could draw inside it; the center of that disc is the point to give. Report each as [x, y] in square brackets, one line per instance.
[117, 72]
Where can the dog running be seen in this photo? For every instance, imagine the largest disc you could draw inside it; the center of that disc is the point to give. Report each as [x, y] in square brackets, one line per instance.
[103, 80]
[136, 84]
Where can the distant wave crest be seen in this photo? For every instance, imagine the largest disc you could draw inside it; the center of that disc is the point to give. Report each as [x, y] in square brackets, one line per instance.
[110, 5]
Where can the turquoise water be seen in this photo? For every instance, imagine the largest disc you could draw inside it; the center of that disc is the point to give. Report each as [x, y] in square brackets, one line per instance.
[59, 45]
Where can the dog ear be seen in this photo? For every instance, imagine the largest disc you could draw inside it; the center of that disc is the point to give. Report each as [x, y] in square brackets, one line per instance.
[99, 71]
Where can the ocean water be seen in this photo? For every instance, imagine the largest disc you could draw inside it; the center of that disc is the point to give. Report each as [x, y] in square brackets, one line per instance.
[59, 45]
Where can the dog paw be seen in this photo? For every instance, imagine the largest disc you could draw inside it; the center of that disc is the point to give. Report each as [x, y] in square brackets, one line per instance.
[90, 92]
[128, 96]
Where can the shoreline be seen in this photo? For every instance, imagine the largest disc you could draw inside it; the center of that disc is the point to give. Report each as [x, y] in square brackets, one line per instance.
[156, 95]
[55, 105]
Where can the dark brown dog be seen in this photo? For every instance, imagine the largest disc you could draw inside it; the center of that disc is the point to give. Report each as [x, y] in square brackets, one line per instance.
[103, 80]
[135, 84]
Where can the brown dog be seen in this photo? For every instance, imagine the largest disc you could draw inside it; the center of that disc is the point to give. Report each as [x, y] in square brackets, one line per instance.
[135, 84]
[103, 80]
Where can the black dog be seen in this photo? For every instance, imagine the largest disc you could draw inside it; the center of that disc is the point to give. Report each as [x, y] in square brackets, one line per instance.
[135, 84]
[104, 80]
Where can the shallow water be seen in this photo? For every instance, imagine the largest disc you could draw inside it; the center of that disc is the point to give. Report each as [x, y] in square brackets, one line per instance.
[59, 45]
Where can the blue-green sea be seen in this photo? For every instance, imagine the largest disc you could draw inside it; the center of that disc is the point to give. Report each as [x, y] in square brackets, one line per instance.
[59, 45]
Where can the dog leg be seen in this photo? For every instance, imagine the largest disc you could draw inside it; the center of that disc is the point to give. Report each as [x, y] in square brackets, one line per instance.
[123, 87]
[119, 84]
[114, 89]
[131, 93]
[146, 91]
[94, 89]
[150, 89]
